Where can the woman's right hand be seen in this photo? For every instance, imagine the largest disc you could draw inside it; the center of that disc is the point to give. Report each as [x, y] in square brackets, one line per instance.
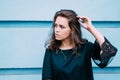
[85, 22]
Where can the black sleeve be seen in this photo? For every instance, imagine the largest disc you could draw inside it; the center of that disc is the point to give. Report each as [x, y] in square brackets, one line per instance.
[47, 67]
[108, 52]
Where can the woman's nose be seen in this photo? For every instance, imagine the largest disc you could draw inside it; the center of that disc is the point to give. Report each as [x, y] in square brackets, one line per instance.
[57, 29]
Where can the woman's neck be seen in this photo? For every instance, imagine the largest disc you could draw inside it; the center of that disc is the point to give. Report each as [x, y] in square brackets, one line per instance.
[66, 44]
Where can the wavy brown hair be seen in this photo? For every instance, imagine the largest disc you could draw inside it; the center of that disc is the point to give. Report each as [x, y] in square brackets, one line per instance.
[76, 35]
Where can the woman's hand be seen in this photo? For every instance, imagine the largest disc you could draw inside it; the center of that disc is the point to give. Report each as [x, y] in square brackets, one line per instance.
[85, 22]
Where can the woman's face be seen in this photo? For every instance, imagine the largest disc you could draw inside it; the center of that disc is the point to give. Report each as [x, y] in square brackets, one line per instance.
[62, 29]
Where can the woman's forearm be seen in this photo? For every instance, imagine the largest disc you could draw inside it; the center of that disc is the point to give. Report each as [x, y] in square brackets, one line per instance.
[99, 37]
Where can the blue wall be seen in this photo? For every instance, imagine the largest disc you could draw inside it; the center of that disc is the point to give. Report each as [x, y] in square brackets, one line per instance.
[22, 42]
[25, 25]
[102, 10]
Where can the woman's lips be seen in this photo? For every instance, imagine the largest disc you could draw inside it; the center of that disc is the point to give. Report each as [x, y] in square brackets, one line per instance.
[57, 35]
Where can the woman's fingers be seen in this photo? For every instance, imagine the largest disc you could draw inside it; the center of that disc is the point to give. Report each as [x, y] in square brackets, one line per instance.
[83, 19]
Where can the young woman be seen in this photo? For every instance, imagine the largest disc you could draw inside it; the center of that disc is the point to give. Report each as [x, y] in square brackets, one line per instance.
[68, 55]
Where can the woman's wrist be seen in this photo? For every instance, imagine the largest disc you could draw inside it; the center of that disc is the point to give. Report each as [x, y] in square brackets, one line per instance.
[91, 28]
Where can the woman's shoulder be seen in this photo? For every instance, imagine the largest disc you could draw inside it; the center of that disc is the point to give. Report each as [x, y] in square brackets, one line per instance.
[48, 50]
[87, 42]
[87, 45]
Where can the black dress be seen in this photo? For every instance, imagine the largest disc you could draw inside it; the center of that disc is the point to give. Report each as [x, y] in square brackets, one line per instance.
[67, 66]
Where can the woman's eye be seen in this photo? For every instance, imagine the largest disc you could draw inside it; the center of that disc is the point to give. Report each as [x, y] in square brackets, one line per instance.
[62, 27]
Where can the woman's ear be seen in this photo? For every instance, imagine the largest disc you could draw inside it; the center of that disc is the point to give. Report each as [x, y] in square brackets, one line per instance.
[71, 30]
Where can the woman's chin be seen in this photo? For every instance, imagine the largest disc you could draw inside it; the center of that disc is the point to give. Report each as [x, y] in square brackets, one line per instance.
[58, 38]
